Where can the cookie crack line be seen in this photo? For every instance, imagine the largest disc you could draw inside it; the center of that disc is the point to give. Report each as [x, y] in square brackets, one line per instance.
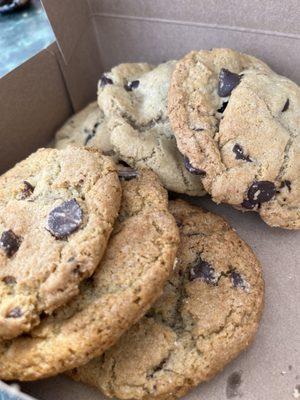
[140, 127]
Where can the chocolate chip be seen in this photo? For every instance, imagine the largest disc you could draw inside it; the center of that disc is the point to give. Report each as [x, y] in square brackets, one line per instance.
[204, 271]
[239, 153]
[26, 191]
[261, 192]
[178, 223]
[9, 242]
[223, 107]
[192, 169]
[65, 219]
[227, 82]
[287, 184]
[286, 105]
[15, 313]
[104, 80]
[88, 138]
[132, 85]
[9, 280]
[126, 174]
[248, 205]
[237, 280]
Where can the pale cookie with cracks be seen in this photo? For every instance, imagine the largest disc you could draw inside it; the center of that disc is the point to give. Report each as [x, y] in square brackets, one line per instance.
[237, 122]
[136, 101]
[57, 211]
[131, 276]
[209, 312]
[132, 125]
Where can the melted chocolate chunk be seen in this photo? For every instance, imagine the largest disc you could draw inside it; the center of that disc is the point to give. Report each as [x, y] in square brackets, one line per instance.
[204, 271]
[104, 80]
[227, 82]
[65, 219]
[192, 169]
[287, 184]
[9, 280]
[261, 192]
[286, 105]
[27, 190]
[239, 153]
[131, 85]
[237, 281]
[223, 107]
[126, 174]
[248, 205]
[9, 242]
[15, 313]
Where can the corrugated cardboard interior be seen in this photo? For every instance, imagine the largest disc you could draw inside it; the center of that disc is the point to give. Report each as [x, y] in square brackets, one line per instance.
[92, 36]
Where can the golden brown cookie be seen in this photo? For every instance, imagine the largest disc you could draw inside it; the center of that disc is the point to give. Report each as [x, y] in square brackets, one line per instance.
[237, 123]
[57, 210]
[209, 312]
[138, 261]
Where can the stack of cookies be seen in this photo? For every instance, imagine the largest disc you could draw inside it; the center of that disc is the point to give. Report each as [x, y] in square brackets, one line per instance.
[104, 278]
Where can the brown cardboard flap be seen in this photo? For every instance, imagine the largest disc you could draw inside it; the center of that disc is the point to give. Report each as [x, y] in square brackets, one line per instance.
[33, 103]
[69, 20]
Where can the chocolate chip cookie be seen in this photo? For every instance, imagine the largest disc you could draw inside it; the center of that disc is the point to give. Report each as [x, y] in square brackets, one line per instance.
[57, 210]
[138, 261]
[132, 125]
[141, 134]
[87, 128]
[209, 312]
[237, 123]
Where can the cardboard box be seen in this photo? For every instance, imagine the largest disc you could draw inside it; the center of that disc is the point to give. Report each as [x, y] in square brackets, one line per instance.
[92, 36]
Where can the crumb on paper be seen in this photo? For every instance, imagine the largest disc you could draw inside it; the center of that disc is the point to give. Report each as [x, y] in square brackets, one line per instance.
[296, 393]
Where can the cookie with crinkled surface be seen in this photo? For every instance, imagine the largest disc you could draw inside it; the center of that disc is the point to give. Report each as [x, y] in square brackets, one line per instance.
[209, 312]
[132, 125]
[238, 122]
[138, 261]
[141, 134]
[57, 210]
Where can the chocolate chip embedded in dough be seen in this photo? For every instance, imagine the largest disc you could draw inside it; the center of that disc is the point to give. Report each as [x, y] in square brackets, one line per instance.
[202, 270]
[261, 192]
[227, 82]
[9, 242]
[65, 219]
[192, 169]
[132, 85]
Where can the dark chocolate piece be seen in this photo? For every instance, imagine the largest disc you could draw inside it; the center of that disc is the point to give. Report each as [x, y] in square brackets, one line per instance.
[192, 169]
[132, 85]
[239, 153]
[9, 242]
[227, 82]
[204, 271]
[286, 105]
[65, 219]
